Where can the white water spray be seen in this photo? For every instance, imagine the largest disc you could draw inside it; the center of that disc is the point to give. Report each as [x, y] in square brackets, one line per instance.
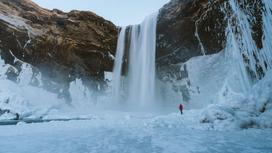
[117, 71]
[141, 68]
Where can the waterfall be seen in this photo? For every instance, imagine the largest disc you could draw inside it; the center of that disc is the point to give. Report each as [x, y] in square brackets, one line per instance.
[142, 61]
[140, 80]
[117, 70]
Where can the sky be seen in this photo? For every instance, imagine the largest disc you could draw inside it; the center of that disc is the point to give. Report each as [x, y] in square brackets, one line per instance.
[120, 12]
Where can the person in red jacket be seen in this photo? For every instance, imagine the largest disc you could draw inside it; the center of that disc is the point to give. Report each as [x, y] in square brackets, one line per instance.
[181, 109]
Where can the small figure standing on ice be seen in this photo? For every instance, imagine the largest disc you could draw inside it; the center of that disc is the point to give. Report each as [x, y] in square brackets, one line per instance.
[181, 109]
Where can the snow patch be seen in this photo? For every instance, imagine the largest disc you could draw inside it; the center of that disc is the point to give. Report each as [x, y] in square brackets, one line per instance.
[18, 22]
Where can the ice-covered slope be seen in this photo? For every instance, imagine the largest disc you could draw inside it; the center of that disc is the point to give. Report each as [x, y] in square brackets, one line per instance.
[218, 101]
[230, 89]
[253, 109]
[20, 99]
[25, 98]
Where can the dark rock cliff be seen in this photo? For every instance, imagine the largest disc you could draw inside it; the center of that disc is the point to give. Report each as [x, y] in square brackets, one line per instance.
[62, 46]
[78, 44]
[189, 28]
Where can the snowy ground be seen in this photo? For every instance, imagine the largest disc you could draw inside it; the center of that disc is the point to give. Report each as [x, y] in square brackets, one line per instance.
[217, 127]
[119, 132]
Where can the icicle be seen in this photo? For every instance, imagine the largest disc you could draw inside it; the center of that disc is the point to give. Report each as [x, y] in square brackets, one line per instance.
[267, 29]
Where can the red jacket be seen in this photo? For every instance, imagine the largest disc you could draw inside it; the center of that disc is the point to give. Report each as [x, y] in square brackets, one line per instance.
[181, 107]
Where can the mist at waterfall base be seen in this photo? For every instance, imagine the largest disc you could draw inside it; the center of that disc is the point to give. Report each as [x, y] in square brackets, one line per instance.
[137, 87]
[222, 93]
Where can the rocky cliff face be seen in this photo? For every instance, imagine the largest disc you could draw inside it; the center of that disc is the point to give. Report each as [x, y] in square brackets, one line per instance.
[62, 46]
[65, 46]
[189, 28]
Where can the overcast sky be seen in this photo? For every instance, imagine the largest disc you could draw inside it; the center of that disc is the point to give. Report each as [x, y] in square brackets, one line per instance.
[120, 12]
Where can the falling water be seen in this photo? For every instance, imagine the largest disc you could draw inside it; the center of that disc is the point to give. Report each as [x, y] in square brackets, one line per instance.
[117, 71]
[141, 66]
[142, 61]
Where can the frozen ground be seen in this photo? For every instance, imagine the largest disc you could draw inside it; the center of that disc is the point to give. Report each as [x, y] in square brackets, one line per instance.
[119, 132]
[216, 127]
